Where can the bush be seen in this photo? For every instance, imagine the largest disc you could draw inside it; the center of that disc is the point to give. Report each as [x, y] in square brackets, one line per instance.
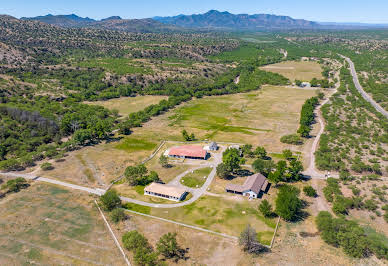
[168, 246]
[110, 200]
[14, 185]
[310, 191]
[117, 215]
[46, 166]
[265, 208]
[133, 240]
[292, 139]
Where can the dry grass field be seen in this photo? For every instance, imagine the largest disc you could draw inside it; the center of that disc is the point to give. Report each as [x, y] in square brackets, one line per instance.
[301, 70]
[127, 105]
[47, 225]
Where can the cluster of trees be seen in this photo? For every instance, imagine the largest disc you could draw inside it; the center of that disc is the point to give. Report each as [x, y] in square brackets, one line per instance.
[294, 139]
[288, 170]
[324, 83]
[138, 175]
[354, 133]
[288, 204]
[231, 161]
[15, 185]
[354, 239]
[144, 253]
[307, 116]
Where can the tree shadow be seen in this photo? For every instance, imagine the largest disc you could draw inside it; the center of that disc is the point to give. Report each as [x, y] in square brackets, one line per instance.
[113, 139]
[243, 172]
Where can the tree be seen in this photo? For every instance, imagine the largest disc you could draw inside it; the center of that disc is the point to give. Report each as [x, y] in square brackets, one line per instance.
[265, 208]
[3, 152]
[298, 82]
[248, 241]
[288, 205]
[222, 171]
[247, 150]
[110, 200]
[134, 173]
[168, 245]
[304, 131]
[232, 159]
[163, 161]
[295, 169]
[145, 256]
[310, 191]
[287, 154]
[133, 240]
[292, 139]
[117, 215]
[263, 167]
[261, 152]
[187, 137]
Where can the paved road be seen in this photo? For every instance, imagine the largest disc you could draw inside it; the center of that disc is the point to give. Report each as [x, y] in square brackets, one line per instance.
[365, 95]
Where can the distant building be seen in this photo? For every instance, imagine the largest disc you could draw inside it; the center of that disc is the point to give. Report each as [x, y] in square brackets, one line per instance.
[252, 187]
[165, 191]
[305, 84]
[188, 152]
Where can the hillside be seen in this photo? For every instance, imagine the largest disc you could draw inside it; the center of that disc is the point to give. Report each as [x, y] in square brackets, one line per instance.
[225, 20]
[110, 23]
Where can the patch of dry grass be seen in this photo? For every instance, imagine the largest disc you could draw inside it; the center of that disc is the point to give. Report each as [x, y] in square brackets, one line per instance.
[301, 70]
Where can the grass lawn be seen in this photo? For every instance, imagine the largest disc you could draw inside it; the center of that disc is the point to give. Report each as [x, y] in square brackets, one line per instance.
[48, 225]
[120, 66]
[302, 70]
[196, 179]
[221, 215]
[127, 105]
[135, 144]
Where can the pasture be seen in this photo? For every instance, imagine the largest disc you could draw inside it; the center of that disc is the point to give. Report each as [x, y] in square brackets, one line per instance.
[127, 105]
[48, 225]
[301, 70]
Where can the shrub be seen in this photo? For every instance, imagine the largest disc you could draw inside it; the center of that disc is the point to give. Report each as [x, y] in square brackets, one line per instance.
[117, 215]
[168, 245]
[310, 191]
[133, 240]
[46, 166]
[14, 185]
[292, 139]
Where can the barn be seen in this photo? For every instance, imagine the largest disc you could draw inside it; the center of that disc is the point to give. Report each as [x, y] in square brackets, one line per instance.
[188, 152]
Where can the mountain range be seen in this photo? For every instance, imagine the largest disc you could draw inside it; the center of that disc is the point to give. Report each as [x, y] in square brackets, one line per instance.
[211, 20]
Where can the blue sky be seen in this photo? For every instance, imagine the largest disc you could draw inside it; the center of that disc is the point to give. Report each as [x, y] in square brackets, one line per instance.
[369, 11]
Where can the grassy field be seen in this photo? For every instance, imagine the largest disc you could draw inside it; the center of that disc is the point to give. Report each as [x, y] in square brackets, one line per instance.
[120, 66]
[47, 225]
[218, 214]
[127, 105]
[301, 70]
[196, 178]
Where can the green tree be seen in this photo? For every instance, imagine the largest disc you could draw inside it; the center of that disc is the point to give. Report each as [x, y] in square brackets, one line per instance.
[46, 166]
[261, 152]
[265, 208]
[145, 256]
[168, 245]
[133, 240]
[14, 185]
[134, 173]
[232, 159]
[288, 205]
[110, 200]
[117, 215]
[223, 171]
[81, 136]
[263, 167]
[295, 169]
[304, 131]
[163, 161]
[298, 82]
[287, 154]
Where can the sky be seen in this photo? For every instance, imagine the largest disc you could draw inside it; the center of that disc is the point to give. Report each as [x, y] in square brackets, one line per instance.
[365, 11]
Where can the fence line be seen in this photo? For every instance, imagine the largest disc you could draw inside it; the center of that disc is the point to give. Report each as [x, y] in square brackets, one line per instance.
[274, 234]
[113, 235]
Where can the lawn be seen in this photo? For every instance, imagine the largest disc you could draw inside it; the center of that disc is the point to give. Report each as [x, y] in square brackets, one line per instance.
[120, 66]
[301, 70]
[197, 178]
[127, 105]
[47, 225]
[221, 215]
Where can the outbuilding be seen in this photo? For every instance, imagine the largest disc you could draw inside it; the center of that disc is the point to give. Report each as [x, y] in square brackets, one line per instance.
[165, 191]
[253, 186]
[188, 152]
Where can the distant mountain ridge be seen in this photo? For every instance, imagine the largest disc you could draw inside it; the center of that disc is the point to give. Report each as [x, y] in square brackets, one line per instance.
[214, 19]
[110, 23]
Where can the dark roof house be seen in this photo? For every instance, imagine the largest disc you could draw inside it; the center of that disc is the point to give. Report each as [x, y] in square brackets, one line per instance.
[252, 187]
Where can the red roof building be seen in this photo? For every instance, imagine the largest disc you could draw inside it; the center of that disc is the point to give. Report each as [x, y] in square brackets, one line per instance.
[188, 151]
